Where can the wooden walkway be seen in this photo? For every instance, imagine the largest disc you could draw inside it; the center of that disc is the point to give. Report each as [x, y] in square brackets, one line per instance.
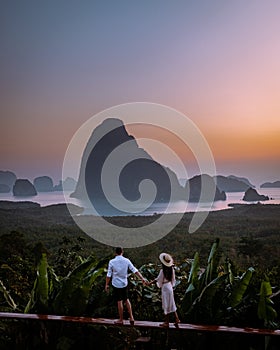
[140, 324]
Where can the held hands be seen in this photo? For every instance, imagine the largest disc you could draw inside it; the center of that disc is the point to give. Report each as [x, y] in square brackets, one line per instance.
[145, 281]
[150, 282]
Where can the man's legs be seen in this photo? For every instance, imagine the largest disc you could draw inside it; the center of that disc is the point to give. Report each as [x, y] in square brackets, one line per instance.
[129, 309]
[120, 310]
[121, 295]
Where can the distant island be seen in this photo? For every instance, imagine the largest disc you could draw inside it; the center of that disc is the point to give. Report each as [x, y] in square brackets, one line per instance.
[229, 183]
[232, 183]
[9, 183]
[24, 187]
[275, 184]
[251, 195]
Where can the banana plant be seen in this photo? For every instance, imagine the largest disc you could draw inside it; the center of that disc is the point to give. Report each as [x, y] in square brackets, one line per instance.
[39, 295]
[205, 304]
[192, 284]
[266, 312]
[213, 292]
[240, 287]
[200, 278]
[73, 295]
[67, 296]
[212, 263]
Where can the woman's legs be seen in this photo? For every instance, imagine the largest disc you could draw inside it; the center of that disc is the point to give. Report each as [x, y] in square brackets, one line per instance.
[166, 321]
[177, 320]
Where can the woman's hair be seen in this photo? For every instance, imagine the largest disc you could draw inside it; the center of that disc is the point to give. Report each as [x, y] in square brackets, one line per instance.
[167, 272]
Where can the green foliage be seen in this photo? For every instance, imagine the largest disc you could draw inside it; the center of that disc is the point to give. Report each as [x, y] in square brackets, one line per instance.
[214, 294]
[202, 286]
[212, 262]
[223, 297]
[212, 289]
[68, 255]
[10, 301]
[40, 293]
[239, 287]
[266, 312]
[16, 267]
[73, 295]
[66, 296]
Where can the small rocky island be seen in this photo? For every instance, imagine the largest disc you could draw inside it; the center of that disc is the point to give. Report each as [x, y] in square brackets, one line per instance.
[23, 188]
[251, 195]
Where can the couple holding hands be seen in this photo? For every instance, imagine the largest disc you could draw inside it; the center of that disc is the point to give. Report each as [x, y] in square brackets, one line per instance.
[118, 272]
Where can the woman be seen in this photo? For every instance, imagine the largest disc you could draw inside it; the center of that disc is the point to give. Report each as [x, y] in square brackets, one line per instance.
[166, 281]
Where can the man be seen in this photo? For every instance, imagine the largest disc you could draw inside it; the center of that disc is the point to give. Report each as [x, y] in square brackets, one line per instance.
[118, 271]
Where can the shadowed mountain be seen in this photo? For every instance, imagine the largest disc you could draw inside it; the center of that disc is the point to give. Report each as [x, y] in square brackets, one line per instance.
[4, 188]
[211, 193]
[275, 184]
[242, 179]
[7, 180]
[43, 184]
[113, 161]
[68, 184]
[231, 183]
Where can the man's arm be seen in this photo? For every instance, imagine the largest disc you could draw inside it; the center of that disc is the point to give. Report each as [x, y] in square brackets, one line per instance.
[138, 273]
[108, 276]
[133, 269]
[107, 284]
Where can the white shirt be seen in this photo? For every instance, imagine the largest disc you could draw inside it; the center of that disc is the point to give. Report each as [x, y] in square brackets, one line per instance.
[118, 269]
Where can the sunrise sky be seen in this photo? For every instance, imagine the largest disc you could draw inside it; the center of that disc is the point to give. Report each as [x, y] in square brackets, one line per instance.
[217, 62]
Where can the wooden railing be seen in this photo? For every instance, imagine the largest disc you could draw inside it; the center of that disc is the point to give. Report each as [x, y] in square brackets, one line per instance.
[141, 324]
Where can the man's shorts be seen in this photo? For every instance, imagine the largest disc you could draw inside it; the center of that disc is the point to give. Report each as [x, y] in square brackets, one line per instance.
[120, 293]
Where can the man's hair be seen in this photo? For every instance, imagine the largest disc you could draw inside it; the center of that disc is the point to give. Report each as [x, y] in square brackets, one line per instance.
[119, 250]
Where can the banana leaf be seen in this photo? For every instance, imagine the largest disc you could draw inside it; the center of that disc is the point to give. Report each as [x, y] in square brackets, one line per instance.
[204, 306]
[229, 271]
[192, 287]
[193, 276]
[54, 283]
[38, 301]
[212, 262]
[43, 282]
[210, 290]
[240, 287]
[73, 296]
[266, 311]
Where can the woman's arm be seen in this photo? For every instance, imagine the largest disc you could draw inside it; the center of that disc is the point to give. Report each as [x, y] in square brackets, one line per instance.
[151, 282]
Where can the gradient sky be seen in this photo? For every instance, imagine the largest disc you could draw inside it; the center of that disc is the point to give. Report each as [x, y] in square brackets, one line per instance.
[218, 62]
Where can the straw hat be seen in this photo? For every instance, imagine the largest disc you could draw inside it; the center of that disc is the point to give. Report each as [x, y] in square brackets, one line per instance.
[166, 259]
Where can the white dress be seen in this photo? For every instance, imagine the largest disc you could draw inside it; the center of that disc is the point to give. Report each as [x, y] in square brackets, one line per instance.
[167, 296]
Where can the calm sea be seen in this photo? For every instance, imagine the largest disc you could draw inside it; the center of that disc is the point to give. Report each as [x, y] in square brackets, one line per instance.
[45, 199]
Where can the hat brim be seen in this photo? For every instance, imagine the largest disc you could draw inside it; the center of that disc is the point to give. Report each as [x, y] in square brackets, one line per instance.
[166, 259]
